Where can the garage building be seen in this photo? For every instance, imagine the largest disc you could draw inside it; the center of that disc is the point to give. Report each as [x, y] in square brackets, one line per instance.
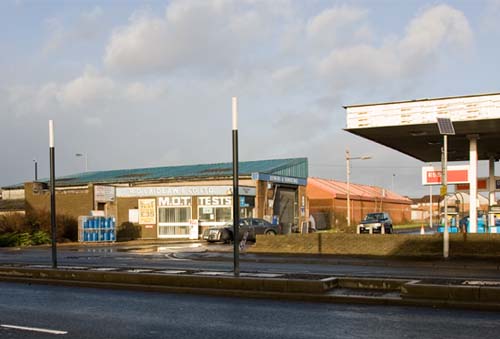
[177, 201]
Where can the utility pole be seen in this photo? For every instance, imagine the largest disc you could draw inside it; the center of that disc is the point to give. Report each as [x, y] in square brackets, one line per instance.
[53, 194]
[236, 199]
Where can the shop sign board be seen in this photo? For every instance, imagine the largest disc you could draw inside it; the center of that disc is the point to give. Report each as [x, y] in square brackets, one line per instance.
[104, 193]
[194, 230]
[279, 179]
[243, 202]
[215, 201]
[132, 192]
[482, 185]
[174, 201]
[133, 215]
[456, 175]
[147, 211]
[467, 108]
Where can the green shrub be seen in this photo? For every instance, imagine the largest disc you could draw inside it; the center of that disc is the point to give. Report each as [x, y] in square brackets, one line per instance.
[7, 240]
[128, 231]
[24, 239]
[40, 238]
[37, 221]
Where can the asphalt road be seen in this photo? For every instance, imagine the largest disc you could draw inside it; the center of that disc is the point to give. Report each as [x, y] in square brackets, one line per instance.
[92, 313]
[200, 256]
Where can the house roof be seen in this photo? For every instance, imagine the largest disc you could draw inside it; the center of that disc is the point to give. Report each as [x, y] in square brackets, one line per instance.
[294, 167]
[318, 188]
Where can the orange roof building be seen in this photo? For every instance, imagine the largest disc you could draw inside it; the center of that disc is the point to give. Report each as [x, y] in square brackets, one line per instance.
[328, 202]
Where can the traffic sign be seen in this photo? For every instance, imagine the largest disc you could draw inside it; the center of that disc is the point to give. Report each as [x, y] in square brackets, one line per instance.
[443, 191]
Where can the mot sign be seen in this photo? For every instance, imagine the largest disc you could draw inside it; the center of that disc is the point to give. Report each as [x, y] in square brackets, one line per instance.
[456, 175]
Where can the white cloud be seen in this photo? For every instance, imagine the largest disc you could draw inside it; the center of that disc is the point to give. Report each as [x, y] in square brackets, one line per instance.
[288, 78]
[140, 92]
[437, 28]
[87, 89]
[430, 36]
[86, 94]
[358, 64]
[209, 36]
[331, 25]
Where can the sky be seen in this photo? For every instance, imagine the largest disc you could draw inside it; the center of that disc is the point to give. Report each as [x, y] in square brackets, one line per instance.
[134, 84]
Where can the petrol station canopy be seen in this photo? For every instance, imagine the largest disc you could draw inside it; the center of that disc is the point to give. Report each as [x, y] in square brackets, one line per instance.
[411, 126]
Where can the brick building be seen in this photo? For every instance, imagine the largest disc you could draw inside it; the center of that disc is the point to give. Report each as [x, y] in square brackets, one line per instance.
[328, 202]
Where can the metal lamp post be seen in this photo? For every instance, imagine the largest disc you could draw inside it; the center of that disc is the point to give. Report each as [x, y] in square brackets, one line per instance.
[36, 169]
[236, 199]
[84, 155]
[53, 194]
[348, 159]
[445, 128]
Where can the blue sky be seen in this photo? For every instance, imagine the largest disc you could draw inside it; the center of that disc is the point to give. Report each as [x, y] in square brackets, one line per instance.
[149, 83]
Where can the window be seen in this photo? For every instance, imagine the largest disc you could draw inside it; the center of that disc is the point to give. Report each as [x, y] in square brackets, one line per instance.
[214, 209]
[173, 230]
[174, 214]
[220, 214]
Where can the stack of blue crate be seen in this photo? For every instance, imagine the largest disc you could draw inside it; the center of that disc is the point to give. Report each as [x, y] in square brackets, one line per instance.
[99, 229]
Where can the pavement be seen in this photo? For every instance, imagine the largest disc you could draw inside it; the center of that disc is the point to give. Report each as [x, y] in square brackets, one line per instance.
[464, 293]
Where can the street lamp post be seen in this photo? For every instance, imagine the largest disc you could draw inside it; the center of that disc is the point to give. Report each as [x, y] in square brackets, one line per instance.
[53, 227]
[348, 159]
[84, 155]
[445, 128]
[36, 169]
[236, 200]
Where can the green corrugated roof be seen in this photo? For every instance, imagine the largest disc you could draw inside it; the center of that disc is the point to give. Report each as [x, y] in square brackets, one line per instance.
[295, 167]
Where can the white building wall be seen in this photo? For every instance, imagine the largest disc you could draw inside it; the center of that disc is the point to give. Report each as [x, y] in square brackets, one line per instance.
[13, 194]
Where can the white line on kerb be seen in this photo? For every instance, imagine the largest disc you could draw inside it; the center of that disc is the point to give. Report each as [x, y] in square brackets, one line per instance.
[33, 329]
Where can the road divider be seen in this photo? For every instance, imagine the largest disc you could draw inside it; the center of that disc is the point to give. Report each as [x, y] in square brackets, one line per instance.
[483, 295]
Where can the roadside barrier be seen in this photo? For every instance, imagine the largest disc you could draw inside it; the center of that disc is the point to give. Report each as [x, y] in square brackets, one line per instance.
[462, 245]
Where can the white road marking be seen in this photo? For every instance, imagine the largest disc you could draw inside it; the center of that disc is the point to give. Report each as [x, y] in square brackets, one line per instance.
[33, 329]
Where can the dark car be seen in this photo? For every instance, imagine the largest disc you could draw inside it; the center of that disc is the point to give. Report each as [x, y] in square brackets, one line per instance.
[253, 226]
[379, 222]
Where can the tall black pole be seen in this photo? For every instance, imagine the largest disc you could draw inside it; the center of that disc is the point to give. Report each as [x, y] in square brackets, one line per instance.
[236, 200]
[36, 170]
[53, 195]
